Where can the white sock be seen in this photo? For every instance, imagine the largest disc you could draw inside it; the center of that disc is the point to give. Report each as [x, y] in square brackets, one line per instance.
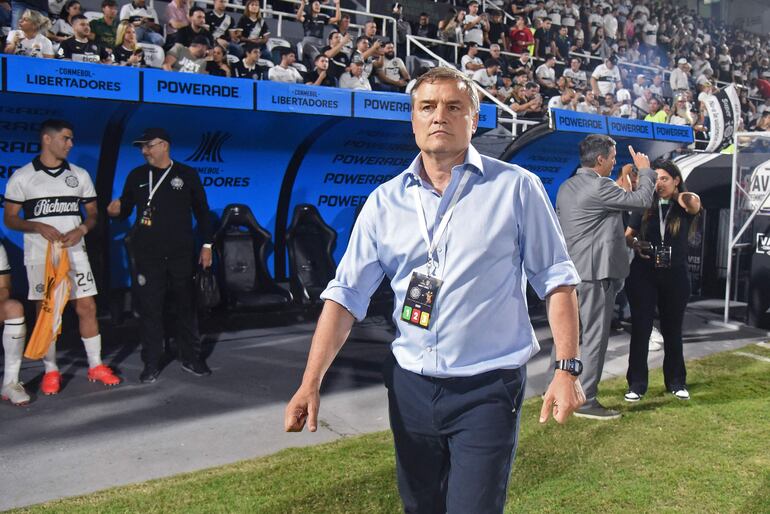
[49, 361]
[93, 350]
[14, 335]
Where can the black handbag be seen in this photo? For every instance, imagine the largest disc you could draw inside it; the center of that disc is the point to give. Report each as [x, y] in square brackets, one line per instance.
[207, 289]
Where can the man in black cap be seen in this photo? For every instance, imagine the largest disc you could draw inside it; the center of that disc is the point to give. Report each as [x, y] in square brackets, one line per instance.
[165, 194]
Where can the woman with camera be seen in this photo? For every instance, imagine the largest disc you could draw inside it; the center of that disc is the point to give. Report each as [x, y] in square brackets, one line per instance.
[659, 277]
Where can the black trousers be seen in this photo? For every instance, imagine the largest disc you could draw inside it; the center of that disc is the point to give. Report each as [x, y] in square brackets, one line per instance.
[669, 289]
[455, 438]
[155, 276]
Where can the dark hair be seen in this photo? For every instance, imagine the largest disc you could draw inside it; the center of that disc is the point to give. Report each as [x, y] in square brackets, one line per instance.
[195, 9]
[424, 14]
[54, 125]
[329, 37]
[250, 46]
[674, 221]
[65, 10]
[109, 3]
[77, 17]
[594, 146]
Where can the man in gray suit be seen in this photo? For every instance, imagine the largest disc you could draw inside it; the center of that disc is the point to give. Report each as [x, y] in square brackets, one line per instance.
[590, 208]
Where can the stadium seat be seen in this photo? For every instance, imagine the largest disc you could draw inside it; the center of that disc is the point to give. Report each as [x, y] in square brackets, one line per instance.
[243, 245]
[153, 55]
[310, 242]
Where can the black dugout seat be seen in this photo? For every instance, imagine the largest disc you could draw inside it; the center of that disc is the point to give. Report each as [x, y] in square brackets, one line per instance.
[310, 242]
[243, 245]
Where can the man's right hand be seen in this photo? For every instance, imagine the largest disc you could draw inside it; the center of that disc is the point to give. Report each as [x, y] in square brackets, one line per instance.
[303, 407]
[640, 160]
[48, 232]
[113, 209]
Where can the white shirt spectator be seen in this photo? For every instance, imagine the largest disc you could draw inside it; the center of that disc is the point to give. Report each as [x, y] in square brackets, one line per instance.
[130, 10]
[538, 13]
[578, 78]
[289, 75]
[55, 6]
[348, 81]
[554, 9]
[475, 33]
[587, 108]
[606, 78]
[393, 68]
[62, 28]
[656, 90]
[569, 15]
[545, 72]
[640, 8]
[639, 89]
[464, 64]
[38, 46]
[483, 77]
[678, 80]
[650, 32]
[556, 103]
[643, 107]
[595, 20]
[610, 26]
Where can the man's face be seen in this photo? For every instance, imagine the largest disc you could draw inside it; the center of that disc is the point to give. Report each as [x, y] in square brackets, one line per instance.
[198, 19]
[81, 28]
[356, 69]
[604, 165]
[609, 99]
[59, 143]
[109, 11]
[550, 63]
[589, 96]
[335, 39]
[290, 58]
[198, 51]
[371, 29]
[344, 24]
[654, 106]
[657, 80]
[390, 52]
[575, 64]
[647, 94]
[155, 151]
[254, 55]
[494, 51]
[492, 70]
[443, 120]
[610, 65]
[473, 50]
[322, 64]
[563, 31]
[219, 5]
[423, 21]
[473, 9]
[363, 45]
[546, 24]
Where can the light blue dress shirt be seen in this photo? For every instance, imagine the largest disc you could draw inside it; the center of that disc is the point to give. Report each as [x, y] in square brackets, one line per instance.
[502, 232]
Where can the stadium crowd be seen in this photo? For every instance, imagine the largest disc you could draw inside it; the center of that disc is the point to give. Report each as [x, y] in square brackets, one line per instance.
[628, 58]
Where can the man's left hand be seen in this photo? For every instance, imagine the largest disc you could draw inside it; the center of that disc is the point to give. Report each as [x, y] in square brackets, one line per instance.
[72, 238]
[564, 395]
[205, 258]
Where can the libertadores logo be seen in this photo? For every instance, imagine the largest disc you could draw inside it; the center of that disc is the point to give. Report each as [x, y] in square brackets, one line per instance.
[210, 147]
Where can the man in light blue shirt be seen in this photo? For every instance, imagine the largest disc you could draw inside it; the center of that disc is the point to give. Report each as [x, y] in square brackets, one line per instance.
[458, 235]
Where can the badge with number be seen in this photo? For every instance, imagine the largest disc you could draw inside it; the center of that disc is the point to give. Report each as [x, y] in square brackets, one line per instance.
[146, 217]
[420, 299]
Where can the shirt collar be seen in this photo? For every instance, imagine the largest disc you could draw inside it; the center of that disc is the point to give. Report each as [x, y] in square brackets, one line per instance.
[472, 163]
[39, 166]
[588, 171]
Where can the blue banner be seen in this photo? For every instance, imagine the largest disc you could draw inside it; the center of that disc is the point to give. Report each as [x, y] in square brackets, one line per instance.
[298, 98]
[678, 133]
[66, 78]
[571, 121]
[2, 65]
[160, 86]
[629, 128]
[382, 106]
[488, 116]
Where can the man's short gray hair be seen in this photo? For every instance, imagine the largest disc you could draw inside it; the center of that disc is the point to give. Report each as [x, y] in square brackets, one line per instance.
[447, 73]
[594, 146]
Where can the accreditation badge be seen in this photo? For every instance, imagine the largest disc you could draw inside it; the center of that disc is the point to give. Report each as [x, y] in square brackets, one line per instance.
[146, 217]
[420, 299]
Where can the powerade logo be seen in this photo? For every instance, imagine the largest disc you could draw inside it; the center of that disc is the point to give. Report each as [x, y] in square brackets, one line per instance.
[567, 122]
[210, 147]
[578, 122]
[673, 133]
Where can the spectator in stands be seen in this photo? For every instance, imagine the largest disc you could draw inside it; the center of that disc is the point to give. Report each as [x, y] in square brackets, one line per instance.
[370, 31]
[355, 79]
[220, 24]
[104, 30]
[366, 53]
[343, 26]
[610, 107]
[5, 14]
[285, 71]
[27, 39]
[320, 74]
[505, 91]
[540, 12]
[252, 27]
[217, 64]
[496, 54]
[640, 84]
[523, 62]
[545, 39]
[78, 47]
[763, 124]
[576, 75]
[486, 77]
[606, 77]
[188, 60]
[657, 113]
[470, 62]
[424, 28]
[570, 15]
[403, 28]
[650, 35]
[610, 26]
[448, 32]
[313, 21]
[475, 25]
[527, 102]
[546, 76]
[127, 52]
[625, 107]
[338, 59]
[498, 32]
[681, 113]
[145, 20]
[595, 20]
[725, 64]
[679, 78]
[62, 28]
[599, 45]
[391, 73]
[521, 37]
[196, 28]
[248, 67]
[566, 100]
[588, 103]
[563, 44]
[642, 103]
[657, 85]
[19, 7]
[177, 16]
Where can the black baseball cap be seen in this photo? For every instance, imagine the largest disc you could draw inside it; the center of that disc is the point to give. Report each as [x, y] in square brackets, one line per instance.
[152, 133]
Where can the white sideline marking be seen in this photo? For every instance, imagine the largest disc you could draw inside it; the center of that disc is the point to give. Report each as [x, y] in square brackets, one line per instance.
[764, 345]
[754, 356]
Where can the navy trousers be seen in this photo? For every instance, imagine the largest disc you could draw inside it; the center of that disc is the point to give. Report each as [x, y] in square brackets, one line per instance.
[455, 438]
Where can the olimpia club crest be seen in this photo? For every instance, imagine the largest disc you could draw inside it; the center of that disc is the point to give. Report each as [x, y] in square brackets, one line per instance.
[177, 183]
[71, 181]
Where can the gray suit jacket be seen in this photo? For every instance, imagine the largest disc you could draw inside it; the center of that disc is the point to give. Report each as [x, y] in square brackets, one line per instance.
[590, 210]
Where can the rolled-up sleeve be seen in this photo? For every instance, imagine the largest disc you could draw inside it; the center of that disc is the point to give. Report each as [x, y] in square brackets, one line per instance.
[543, 251]
[359, 273]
